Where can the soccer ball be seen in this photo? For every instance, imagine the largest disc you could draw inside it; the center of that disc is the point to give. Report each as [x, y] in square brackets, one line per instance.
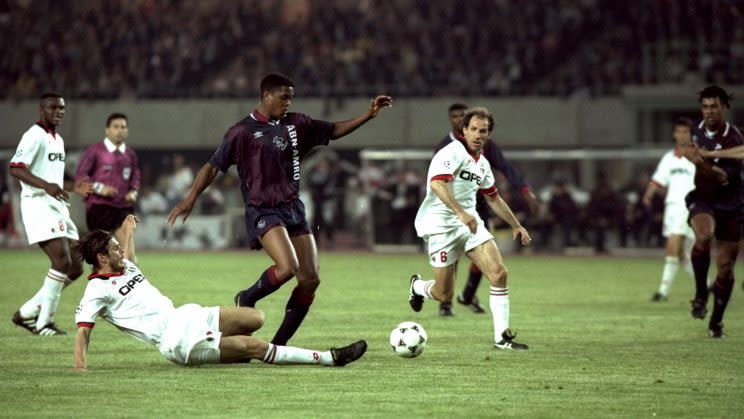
[408, 339]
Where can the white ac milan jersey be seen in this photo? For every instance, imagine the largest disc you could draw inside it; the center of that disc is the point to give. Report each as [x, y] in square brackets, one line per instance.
[467, 176]
[128, 301]
[44, 156]
[677, 175]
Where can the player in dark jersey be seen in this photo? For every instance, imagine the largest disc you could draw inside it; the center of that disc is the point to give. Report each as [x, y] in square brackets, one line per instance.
[267, 147]
[498, 161]
[715, 205]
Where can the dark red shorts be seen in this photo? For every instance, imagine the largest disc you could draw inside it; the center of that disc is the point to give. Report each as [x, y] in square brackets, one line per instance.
[728, 223]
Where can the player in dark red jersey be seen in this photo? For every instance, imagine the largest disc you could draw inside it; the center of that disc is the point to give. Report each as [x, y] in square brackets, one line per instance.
[715, 205]
[267, 147]
[498, 161]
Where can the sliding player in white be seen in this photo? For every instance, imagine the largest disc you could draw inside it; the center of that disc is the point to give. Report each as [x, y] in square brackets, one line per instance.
[191, 334]
[450, 226]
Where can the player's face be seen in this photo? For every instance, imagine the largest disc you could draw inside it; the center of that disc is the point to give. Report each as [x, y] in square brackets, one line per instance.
[476, 134]
[713, 111]
[52, 110]
[455, 118]
[682, 136]
[277, 101]
[117, 131]
[115, 255]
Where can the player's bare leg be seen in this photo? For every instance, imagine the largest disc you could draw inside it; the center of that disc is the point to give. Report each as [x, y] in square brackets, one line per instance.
[703, 225]
[304, 293]
[242, 348]
[279, 248]
[725, 260]
[489, 260]
[441, 288]
[240, 320]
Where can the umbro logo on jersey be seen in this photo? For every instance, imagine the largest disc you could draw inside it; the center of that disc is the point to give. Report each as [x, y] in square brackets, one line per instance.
[280, 143]
[257, 134]
[261, 224]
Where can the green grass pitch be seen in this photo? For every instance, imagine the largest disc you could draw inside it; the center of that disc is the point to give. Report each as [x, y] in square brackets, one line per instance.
[598, 347]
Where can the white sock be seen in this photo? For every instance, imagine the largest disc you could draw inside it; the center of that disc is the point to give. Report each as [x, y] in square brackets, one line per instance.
[499, 302]
[52, 290]
[290, 355]
[671, 265]
[423, 288]
[30, 308]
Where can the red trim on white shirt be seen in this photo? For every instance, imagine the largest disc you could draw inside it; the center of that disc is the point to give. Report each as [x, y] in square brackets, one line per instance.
[465, 144]
[492, 191]
[446, 177]
[18, 164]
[47, 129]
[86, 324]
[105, 276]
[658, 184]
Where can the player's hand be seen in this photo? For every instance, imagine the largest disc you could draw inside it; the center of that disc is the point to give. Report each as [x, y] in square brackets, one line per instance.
[378, 103]
[83, 187]
[469, 221]
[183, 208]
[131, 196]
[522, 233]
[694, 154]
[56, 192]
[108, 191]
[130, 222]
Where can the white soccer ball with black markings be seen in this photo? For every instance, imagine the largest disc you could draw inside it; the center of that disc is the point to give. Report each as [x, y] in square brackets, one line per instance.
[408, 339]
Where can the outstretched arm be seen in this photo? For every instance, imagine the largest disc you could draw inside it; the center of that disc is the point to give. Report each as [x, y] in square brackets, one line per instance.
[203, 179]
[704, 167]
[343, 128]
[501, 208]
[82, 339]
[725, 153]
[127, 237]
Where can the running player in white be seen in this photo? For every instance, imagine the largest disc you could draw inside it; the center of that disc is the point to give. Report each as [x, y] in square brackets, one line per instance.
[191, 334]
[39, 163]
[450, 226]
[676, 175]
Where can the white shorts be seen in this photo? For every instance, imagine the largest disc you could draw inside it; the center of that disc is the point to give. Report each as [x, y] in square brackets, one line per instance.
[446, 248]
[46, 218]
[675, 221]
[192, 336]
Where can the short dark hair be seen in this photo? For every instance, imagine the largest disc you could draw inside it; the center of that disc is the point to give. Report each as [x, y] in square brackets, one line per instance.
[115, 115]
[682, 121]
[456, 107]
[714, 91]
[92, 244]
[479, 112]
[272, 81]
[47, 95]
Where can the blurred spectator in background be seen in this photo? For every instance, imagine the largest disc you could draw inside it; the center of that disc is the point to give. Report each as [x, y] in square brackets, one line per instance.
[562, 212]
[151, 201]
[606, 210]
[323, 184]
[180, 180]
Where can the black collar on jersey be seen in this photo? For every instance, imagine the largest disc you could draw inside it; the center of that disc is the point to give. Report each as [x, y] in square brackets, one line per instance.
[105, 276]
[47, 129]
[461, 139]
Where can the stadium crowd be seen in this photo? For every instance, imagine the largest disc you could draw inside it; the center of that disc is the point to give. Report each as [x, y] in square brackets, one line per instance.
[209, 48]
